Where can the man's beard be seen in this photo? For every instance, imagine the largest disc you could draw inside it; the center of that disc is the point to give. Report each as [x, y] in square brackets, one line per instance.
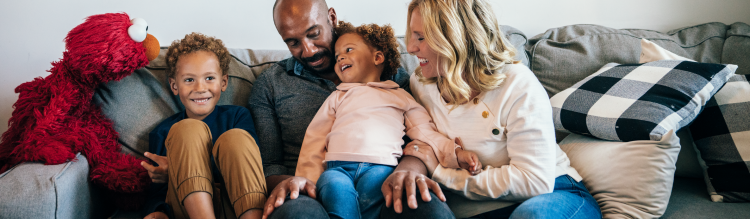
[324, 53]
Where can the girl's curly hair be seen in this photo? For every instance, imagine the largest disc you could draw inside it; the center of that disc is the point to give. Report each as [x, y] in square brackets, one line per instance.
[381, 38]
[197, 42]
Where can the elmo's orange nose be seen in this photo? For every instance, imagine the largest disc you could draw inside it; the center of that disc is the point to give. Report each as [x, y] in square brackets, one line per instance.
[152, 47]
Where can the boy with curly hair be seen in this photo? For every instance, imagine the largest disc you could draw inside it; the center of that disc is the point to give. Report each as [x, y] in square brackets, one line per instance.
[354, 141]
[205, 143]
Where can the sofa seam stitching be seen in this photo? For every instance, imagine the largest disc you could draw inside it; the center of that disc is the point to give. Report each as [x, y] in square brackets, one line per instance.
[54, 183]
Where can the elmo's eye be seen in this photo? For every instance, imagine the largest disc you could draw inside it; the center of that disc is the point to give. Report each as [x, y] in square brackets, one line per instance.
[138, 30]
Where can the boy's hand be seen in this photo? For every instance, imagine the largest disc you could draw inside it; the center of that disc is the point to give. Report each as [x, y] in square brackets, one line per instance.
[158, 174]
[468, 160]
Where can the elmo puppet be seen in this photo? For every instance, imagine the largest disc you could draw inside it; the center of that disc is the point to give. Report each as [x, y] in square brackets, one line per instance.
[54, 118]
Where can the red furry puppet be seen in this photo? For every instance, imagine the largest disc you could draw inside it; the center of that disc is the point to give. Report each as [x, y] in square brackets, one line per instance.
[54, 117]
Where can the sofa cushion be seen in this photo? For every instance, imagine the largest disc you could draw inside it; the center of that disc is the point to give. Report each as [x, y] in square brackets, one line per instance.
[737, 47]
[638, 101]
[562, 56]
[518, 39]
[722, 135]
[627, 179]
[652, 52]
[687, 161]
[690, 200]
[35, 190]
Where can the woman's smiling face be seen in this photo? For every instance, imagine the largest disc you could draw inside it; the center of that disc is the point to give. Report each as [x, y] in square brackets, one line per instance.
[418, 46]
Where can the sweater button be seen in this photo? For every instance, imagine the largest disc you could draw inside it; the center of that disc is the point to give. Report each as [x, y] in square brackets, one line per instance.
[476, 101]
[485, 114]
[495, 131]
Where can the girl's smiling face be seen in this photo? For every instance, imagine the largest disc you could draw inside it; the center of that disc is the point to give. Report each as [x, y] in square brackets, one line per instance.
[356, 61]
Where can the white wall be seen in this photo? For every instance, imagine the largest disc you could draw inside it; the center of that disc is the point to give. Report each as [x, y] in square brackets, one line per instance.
[31, 31]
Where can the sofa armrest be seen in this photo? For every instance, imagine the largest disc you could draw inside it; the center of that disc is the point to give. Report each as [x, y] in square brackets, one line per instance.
[35, 190]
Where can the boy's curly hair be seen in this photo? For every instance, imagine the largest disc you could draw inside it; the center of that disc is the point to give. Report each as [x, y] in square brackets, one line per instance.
[380, 38]
[197, 42]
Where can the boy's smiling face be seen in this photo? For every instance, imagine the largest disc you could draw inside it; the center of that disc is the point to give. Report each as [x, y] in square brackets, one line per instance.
[357, 62]
[198, 81]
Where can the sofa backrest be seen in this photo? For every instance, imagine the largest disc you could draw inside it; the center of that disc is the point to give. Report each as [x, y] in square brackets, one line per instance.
[562, 56]
[139, 102]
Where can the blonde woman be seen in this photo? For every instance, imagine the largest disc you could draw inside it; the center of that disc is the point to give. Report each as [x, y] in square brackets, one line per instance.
[476, 92]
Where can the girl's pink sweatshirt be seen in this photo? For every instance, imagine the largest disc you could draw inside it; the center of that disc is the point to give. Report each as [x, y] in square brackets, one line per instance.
[366, 123]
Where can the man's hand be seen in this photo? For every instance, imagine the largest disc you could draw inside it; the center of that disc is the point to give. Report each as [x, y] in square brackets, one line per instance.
[292, 187]
[156, 215]
[424, 152]
[407, 178]
[158, 174]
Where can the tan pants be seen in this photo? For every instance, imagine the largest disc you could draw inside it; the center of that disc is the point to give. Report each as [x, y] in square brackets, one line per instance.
[189, 145]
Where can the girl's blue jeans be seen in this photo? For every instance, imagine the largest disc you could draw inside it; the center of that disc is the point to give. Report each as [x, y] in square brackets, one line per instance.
[352, 189]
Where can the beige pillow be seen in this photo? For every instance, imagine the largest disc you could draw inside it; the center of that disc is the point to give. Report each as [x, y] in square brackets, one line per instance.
[651, 52]
[628, 179]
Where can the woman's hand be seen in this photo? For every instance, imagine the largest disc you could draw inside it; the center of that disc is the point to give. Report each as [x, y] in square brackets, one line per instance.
[407, 177]
[291, 186]
[156, 215]
[158, 174]
[424, 152]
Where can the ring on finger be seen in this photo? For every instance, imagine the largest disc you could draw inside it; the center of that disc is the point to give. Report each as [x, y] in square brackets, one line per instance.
[416, 148]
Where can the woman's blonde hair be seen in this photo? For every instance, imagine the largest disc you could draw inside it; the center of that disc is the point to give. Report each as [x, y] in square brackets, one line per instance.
[469, 44]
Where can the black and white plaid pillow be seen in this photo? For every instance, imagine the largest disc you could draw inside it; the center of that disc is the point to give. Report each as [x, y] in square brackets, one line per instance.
[638, 101]
[722, 135]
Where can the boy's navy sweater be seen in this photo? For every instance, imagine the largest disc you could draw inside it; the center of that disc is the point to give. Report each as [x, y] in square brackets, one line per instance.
[222, 119]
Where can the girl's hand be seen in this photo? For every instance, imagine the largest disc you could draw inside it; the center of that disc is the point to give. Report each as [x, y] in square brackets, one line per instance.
[468, 160]
[424, 152]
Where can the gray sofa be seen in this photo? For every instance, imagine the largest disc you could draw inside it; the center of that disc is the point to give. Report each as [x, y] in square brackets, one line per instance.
[559, 57]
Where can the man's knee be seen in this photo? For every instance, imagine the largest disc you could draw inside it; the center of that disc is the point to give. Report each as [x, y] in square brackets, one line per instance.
[301, 207]
[432, 209]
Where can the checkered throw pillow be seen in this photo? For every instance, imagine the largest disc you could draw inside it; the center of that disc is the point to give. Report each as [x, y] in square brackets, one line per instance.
[722, 135]
[638, 101]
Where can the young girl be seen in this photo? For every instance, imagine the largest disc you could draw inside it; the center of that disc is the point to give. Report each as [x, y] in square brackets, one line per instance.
[356, 136]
